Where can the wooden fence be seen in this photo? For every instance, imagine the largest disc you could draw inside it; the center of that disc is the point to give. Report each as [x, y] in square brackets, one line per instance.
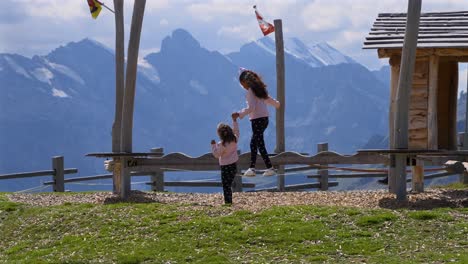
[58, 174]
[177, 162]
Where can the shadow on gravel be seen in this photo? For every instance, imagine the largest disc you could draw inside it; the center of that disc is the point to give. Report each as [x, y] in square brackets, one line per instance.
[427, 201]
[133, 197]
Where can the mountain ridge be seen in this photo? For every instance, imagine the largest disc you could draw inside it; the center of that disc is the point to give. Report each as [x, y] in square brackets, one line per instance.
[183, 91]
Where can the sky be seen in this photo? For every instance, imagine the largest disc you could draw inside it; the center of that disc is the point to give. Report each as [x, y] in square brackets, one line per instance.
[36, 27]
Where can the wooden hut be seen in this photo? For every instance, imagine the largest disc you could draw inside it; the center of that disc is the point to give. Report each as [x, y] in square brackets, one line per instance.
[442, 44]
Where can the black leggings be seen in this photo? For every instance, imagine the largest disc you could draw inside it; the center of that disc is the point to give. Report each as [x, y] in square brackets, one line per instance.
[257, 142]
[228, 172]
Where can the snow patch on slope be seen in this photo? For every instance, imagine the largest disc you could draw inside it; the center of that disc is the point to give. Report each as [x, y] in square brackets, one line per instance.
[66, 71]
[148, 71]
[16, 67]
[42, 74]
[317, 55]
[59, 93]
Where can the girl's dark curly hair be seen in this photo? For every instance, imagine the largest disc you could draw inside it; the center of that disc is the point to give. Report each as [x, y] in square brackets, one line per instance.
[255, 83]
[226, 134]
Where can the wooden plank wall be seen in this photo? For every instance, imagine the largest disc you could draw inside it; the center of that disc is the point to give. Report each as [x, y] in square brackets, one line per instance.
[418, 110]
[447, 104]
[447, 90]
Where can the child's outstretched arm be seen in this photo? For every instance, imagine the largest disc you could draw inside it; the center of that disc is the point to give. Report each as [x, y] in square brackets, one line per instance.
[235, 128]
[250, 105]
[272, 101]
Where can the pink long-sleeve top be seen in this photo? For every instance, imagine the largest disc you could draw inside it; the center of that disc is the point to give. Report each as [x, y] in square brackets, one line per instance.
[257, 107]
[227, 154]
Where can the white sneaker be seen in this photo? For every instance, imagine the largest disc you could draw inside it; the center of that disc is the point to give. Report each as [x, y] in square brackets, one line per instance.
[269, 172]
[250, 173]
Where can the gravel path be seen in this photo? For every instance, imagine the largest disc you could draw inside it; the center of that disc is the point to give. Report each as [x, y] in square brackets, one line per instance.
[432, 198]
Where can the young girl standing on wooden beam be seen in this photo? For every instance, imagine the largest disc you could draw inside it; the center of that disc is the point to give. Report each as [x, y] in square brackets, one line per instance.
[257, 100]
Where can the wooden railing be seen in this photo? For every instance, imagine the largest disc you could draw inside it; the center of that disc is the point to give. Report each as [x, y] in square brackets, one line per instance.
[156, 166]
[58, 174]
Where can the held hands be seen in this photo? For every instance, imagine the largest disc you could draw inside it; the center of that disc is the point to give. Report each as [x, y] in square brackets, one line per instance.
[213, 142]
[234, 116]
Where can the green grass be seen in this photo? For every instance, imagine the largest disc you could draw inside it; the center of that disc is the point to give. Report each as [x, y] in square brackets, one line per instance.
[455, 186]
[164, 233]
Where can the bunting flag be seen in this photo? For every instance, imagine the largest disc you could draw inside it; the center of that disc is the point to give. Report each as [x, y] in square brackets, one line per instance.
[266, 27]
[95, 8]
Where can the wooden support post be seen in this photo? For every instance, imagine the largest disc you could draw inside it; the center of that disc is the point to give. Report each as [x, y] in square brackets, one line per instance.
[237, 184]
[461, 141]
[465, 135]
[324, 172]
[119, 74]
[116, 175]
[125, 178]
[281, 182]
[280, 95]
[59, 175]
[119, 84]
[432, 125]
[129, 93]
[395, 62]
[392, 174]
[403, 94]
[418, 176]
[130, 79]
[280, 86]
[157, 178]
[453, 96]
[400, 177]
[464, 177]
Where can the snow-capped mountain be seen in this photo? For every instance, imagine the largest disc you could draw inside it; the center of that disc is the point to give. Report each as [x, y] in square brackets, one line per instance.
[316, 55]
[63, 103]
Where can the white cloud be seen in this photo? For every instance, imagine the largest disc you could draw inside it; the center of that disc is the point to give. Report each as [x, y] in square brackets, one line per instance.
[163, 22]
[208, 11]
[243, 32]
[43, 25]
[319, 17]
[348, 39]
[56, 9]
[230, 30]
[151, 5]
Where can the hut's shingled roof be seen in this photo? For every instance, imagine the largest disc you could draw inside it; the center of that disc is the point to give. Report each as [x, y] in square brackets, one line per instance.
[436, 30]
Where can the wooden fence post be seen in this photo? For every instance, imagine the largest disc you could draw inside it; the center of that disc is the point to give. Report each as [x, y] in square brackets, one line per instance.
[417, 171]
[464, 177]
[157, 178]
[324, 172]
[237, 184]
[59, 175]
[463, 145]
